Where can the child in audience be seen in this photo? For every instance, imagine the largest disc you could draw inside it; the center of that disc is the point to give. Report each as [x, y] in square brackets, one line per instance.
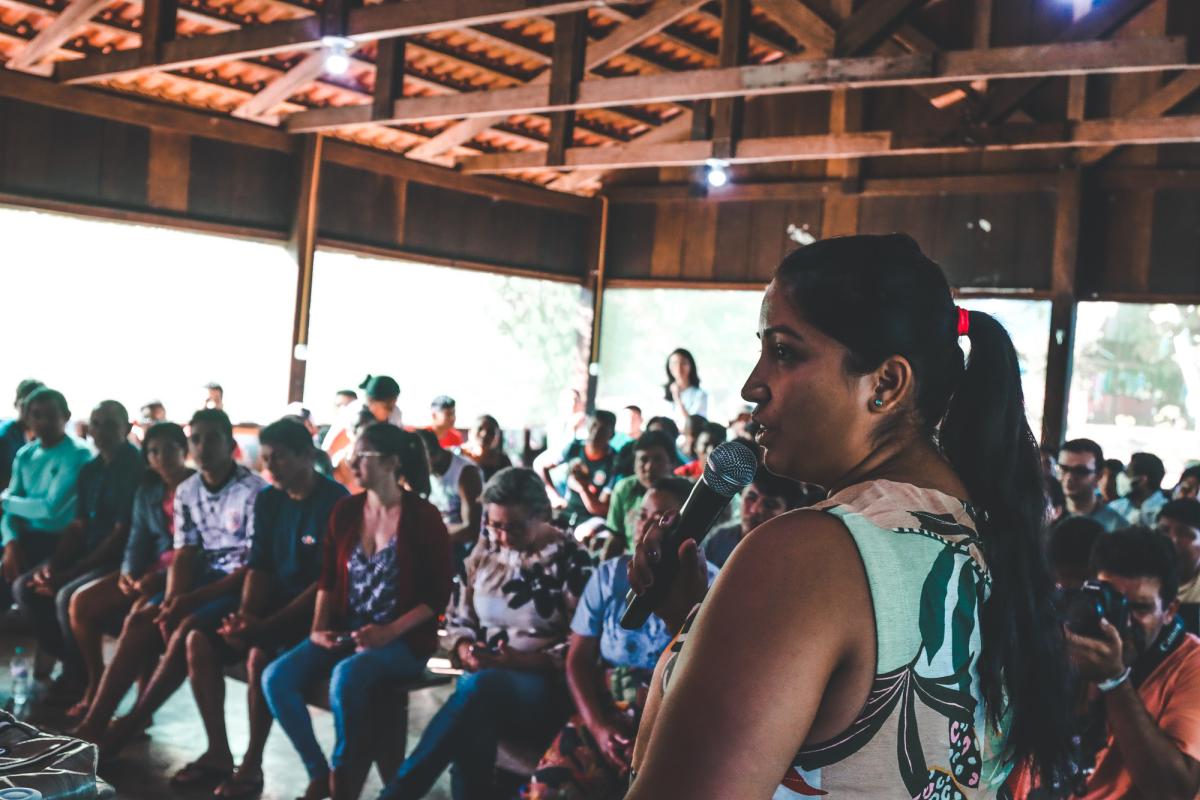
[100, 606]
[386, 572]
[608, 672]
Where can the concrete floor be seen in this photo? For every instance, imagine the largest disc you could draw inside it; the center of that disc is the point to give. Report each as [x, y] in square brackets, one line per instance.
[177, 737]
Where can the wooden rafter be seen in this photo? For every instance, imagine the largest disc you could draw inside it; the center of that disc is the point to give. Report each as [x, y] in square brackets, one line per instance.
[280, 89]
[802, 23]
[867, 144]
[662, 14]
[66, 25]
[872, 24]
[1157, 104]
[367, 23]
[1132, 55]
[675, 130]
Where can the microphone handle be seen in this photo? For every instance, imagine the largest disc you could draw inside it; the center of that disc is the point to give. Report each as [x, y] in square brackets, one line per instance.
[698, 514]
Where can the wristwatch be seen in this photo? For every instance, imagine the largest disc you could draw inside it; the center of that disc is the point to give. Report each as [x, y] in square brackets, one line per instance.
[1112, 683]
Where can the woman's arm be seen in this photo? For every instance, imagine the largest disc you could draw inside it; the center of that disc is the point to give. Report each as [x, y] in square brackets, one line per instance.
[323, 611]
[584, 678]
[778, 617]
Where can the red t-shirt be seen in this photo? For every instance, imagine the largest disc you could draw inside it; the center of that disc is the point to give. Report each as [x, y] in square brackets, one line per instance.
[1172, 697]
[691, 470]
[451, 438]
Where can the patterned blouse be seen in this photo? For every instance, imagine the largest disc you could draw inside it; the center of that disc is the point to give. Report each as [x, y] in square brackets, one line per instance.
[372, 586]
[923, 732]
[524, 599]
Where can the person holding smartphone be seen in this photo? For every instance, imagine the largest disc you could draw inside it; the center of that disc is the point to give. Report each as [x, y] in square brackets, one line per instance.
[387, 572]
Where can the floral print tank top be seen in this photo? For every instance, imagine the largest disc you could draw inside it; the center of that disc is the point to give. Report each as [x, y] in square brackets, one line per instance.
[923, 732]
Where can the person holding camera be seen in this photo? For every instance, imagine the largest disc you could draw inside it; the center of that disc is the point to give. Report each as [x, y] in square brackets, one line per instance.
[1141, 736]
[386, 573]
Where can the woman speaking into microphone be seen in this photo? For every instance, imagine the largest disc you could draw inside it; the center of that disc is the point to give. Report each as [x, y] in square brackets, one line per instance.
[896, 640]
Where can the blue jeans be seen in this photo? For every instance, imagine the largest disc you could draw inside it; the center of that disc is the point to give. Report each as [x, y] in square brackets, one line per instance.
[485, 706]
[351, 678]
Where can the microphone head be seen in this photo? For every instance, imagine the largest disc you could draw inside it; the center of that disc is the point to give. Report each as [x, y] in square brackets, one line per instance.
[731, 467]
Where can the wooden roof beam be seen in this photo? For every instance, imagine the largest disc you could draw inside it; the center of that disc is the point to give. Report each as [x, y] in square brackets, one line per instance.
[1098, 23]
[873, 24]
[802, 23]
[868, 144]
[660, 15]
[1131, 55]
[280, 89]
[1156, 105]
[676, 130]
[66, 24]
[379, 21]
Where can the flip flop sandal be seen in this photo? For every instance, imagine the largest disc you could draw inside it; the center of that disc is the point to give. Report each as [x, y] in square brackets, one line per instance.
[233, 788]
[197, 774]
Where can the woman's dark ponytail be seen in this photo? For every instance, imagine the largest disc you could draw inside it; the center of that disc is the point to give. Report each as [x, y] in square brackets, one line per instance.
[880, 296]
[987, 439]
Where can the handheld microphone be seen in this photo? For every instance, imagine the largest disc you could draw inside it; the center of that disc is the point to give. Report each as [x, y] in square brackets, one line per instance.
[731, 467]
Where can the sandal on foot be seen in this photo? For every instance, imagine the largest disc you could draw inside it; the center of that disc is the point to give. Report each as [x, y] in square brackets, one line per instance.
[238, 788]
[198, 774]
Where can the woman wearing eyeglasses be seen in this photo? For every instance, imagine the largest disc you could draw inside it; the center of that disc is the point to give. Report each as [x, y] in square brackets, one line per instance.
[387, 572]
[509, 627]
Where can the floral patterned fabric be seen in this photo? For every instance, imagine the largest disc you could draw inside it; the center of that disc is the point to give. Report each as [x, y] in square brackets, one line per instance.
[372, 586]
[524, 599]
[923, 732]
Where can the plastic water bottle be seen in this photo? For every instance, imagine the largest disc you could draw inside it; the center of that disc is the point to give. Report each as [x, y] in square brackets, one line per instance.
[21, 671]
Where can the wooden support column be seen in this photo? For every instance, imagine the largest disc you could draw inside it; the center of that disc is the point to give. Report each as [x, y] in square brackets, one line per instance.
[598, 263]
[735, 43]
[302, 246]
[1061, 347]
[566, 71]
[158, 28]
[839, 216]
[389, 76]
[168, 170]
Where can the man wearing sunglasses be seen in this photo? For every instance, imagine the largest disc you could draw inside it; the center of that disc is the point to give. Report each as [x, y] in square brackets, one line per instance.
[1080, 462]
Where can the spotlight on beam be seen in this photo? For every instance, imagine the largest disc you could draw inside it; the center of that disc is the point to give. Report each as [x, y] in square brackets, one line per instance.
[337, 54]
[717, 174]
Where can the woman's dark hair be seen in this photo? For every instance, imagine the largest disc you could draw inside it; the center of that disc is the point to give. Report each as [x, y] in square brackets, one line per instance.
[880, 296]
[694, 380]
[1139, 553]
[1116, 467]
[380, 387]
[385, 438]
[488, 419]
[163, 430]
[1071, 542]
[517, 486]
[667, 426]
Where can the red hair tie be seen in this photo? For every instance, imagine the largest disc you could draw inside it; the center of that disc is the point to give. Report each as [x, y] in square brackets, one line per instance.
[964, 321]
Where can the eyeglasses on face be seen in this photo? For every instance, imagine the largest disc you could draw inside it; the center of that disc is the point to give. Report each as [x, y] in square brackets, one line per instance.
[1079, 471]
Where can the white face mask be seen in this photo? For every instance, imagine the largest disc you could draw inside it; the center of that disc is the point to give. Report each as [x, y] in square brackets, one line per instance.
[1124, 485]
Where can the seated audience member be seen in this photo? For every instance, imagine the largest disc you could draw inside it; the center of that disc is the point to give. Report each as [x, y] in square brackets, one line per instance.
[214, 526]
[1056, 501]
[1141, 505]
[1049, 461]
[486, 446]
[455, 484]
[1069, 550]
[763, 500]
[711, 435]
[592, 466]
[42, 495]
[653, 456]
[15, 433]
[100, 606]
[667, 425]
[215, 400]
[608, 674]
[1188, 487]
[1143, 682]
[345, 397]
[1179, 521]
[508, 628]
[276, 611]
[629, 428]
[91, 548]
[385, 572]
[444, 414]
[1113, 468]
[1080, 462]
[692, 428]
[682, 393]
[383, 395]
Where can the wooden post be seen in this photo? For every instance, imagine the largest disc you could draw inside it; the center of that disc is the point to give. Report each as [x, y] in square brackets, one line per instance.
[389, 76]
[566, 71]
[302, 245]
[1061, 347]
[839, 215]
[157, 28]
[735, 43]
[597, 283]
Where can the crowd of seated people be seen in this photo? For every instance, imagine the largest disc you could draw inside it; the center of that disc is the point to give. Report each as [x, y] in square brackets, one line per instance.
[349, 557]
